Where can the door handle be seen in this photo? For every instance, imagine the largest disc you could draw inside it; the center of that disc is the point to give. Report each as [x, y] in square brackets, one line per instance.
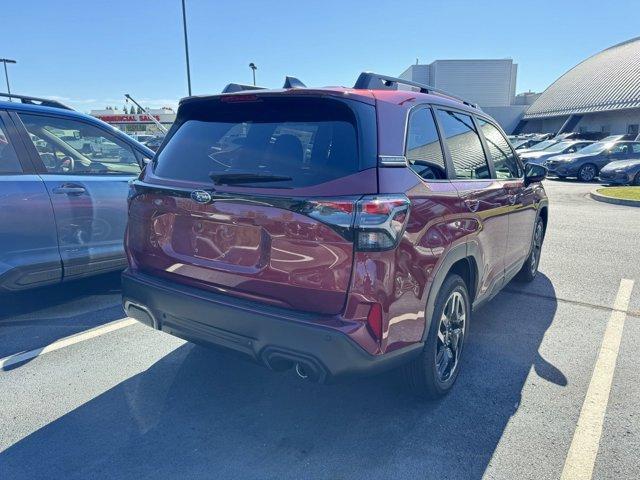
[70, 189]
[472, 205]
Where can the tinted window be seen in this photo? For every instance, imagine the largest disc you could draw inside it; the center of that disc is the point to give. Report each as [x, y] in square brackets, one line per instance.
[635, 147]
[464, 145]
[309, 141]
[504, 160]
[8, 159]
[424, 152]
[73, 147]
[620, 149]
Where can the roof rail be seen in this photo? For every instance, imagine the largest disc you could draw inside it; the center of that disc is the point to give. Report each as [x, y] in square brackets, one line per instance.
[372, 81]
[239, 87]
[293, 82]
[44, 102]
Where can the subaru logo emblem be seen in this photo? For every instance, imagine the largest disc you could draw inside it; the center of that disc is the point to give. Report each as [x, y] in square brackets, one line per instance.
[200, 196]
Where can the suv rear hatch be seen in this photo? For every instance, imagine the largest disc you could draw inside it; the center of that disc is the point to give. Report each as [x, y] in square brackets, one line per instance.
[255, 195]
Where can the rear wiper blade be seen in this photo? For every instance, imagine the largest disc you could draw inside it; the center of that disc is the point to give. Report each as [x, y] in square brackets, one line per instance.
[231, 178]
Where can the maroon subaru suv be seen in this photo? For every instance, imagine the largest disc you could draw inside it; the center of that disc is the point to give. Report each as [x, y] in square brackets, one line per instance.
[335, 231]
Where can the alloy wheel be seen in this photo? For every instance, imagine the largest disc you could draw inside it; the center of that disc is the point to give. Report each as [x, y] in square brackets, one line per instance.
[451, 331]
[587, 173]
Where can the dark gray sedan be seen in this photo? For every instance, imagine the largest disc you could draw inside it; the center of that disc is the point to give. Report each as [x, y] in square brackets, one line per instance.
[623, 172]
[586, 164]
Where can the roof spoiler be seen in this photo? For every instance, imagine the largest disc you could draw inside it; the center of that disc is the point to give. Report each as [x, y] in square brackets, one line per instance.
[239, 87]
[375, 81]
[289, 82]
[44, 102]
[293, 82]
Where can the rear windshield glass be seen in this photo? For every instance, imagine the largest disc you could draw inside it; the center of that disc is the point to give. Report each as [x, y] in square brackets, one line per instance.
[286, 142]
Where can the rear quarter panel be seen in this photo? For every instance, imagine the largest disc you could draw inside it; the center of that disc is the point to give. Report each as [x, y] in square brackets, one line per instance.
[400, 279]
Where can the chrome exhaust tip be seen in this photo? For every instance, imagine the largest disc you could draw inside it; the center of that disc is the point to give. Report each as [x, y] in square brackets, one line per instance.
[301, 372]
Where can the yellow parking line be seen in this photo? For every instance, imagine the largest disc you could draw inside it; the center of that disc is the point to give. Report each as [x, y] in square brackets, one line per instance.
[65, 342]
[586, 438]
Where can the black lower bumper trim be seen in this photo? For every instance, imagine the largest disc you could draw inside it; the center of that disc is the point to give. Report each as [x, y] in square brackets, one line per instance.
[261, 332]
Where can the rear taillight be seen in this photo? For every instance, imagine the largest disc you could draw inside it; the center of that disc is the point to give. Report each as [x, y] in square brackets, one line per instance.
[380, 221]
[373, 223]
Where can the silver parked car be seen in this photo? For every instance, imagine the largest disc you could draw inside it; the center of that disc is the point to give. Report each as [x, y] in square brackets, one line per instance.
[622, 172]
[566, 147]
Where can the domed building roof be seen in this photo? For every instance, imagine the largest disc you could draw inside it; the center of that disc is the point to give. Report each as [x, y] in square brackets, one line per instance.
[609, 80]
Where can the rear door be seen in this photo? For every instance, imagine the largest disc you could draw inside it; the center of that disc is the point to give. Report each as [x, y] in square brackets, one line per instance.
[29, 253]
[482, 196]
[254, 196]
[86, 171]
[520, 200]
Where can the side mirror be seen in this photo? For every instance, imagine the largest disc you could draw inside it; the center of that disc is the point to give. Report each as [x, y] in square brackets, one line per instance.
[534, 173]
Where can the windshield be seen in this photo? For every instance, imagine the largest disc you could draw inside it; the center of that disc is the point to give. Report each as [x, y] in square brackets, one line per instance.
[558, 147]
[297, 142]
[543, 145]
[596, 147]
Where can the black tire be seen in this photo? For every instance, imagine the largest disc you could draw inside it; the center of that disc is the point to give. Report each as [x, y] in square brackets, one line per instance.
[636, 180]
[530, 268]
[588, 172]
[424, 375]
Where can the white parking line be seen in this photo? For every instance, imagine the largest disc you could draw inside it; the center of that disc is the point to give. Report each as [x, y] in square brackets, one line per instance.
[586, 438]
[65, 342]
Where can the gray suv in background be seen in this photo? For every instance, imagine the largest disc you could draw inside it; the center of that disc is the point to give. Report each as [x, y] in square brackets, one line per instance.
[64, 180]
[586, 164]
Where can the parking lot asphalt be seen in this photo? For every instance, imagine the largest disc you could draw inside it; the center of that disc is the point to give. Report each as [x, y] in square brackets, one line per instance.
[136, 403]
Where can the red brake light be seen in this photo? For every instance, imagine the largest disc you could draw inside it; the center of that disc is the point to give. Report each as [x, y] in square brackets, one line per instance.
[380, 207]
[374, 321]
[239, 98]
[342, 206]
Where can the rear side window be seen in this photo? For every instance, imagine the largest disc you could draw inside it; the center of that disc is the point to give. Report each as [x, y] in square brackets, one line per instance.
[8, 159]
[504, 160]
[424, 151]
[464, 145]
[288, 142]
[69, 146]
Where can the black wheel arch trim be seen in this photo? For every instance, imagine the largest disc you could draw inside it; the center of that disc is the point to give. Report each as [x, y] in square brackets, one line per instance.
[464, 251]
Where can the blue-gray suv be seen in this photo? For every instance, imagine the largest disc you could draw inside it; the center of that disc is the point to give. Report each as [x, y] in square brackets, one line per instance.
[64, 182]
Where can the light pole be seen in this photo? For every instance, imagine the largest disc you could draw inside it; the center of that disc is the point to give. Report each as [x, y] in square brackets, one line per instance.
[186, 45]
[253, 68]
[6, 74]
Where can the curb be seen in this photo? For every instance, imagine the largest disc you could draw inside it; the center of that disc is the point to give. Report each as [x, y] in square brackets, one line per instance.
[616, 201]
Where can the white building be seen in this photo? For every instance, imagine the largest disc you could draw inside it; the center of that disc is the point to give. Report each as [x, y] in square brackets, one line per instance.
[137, 122]
[490, 83]
[600, 94]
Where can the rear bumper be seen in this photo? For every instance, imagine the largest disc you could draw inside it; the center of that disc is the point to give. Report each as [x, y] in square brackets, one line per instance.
[274, 337]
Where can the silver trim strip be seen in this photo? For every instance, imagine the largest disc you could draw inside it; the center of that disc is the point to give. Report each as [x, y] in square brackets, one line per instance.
[392, 161]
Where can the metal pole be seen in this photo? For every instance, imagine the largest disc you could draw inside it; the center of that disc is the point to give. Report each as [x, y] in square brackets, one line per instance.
[254, 76]
[6, 74]
[153, 119]
[253, 68]
[186, 45]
